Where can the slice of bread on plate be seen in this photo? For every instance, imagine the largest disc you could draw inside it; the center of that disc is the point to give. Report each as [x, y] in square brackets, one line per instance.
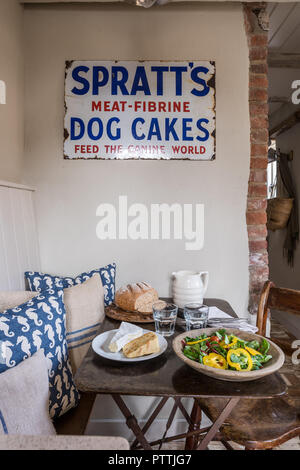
[146, 344]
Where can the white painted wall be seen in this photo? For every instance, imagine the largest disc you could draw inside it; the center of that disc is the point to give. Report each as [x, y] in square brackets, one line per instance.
[68, 192]
[12, 73]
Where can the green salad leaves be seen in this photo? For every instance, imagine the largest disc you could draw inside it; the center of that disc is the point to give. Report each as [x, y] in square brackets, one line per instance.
[226, 351]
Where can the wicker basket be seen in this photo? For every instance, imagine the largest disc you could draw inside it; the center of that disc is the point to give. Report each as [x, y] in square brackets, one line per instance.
[278, 212]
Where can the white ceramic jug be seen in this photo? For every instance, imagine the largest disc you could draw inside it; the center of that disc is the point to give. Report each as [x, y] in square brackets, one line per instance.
[189, 286]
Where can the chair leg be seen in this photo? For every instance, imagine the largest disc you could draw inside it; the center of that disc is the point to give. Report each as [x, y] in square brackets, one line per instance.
[227, 445]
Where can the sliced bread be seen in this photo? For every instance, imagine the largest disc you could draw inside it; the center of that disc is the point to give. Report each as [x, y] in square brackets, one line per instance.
[146, 344]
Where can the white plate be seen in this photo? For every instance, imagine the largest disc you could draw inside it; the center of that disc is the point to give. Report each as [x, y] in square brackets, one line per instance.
[101, 342]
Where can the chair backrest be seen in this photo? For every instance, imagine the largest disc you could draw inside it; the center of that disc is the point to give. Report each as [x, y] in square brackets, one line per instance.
[287, 300]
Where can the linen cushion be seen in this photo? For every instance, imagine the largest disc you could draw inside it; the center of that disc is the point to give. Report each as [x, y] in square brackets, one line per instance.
[84, 305]
[38, 281]
[40, 324]
[11, 299]
[24, 398]
[63, 443]
[85, 311]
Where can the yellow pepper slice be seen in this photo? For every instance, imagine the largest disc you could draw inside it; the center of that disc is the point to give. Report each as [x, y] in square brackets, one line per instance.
[252, 351]
[239, 352]
[215, 360]
[198, 341]
[230, 345]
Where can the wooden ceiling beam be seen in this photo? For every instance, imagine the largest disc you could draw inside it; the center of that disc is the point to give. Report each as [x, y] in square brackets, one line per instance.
[279, 99]
[284, 60]
[285, 125]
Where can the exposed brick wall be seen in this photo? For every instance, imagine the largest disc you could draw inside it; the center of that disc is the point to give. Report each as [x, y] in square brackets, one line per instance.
[256, 24]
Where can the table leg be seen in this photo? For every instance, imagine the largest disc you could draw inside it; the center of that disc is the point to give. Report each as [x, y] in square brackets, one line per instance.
[131, 422]
[161, 404]
[192, 440]
[196, 415]
[218, 423]
[183, 411]
[169, 422]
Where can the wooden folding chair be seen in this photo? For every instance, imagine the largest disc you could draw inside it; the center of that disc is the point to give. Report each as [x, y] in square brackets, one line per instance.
[276, 298]
[265, 424]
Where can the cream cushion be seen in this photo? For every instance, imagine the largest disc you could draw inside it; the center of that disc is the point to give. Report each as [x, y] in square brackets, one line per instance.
[84, 312]
[63, 443]
[11, 299]
[84, 305]
[24, 398]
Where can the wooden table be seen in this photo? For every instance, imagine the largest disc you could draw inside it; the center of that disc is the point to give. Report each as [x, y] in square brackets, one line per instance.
[167, 377]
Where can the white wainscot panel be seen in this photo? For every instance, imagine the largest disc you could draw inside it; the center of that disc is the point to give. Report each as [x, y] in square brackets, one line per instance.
[19, 249]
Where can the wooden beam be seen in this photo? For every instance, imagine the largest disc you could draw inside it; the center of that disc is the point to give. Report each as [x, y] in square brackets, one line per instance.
[285, 60]
[285, 125]
[279, 99]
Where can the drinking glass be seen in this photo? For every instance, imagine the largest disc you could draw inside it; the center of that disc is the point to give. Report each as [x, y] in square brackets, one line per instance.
[164, 315]
[196, 316]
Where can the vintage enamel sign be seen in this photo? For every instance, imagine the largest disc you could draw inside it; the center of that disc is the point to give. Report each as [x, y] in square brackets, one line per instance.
[140, 110]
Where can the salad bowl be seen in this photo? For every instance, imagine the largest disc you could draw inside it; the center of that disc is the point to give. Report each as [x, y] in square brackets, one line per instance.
[273, 364]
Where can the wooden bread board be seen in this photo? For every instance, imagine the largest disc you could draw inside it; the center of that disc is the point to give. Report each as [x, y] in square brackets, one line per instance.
[112, 311]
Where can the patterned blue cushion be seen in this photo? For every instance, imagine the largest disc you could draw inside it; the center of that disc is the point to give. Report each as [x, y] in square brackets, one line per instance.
[38, 281]
[40, 324]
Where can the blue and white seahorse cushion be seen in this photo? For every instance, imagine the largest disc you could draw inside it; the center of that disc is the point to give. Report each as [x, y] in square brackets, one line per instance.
[38, 324]
[38, 281]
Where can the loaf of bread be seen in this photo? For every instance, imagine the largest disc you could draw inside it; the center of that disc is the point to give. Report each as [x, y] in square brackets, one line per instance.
[136, 297]
[146, 344]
